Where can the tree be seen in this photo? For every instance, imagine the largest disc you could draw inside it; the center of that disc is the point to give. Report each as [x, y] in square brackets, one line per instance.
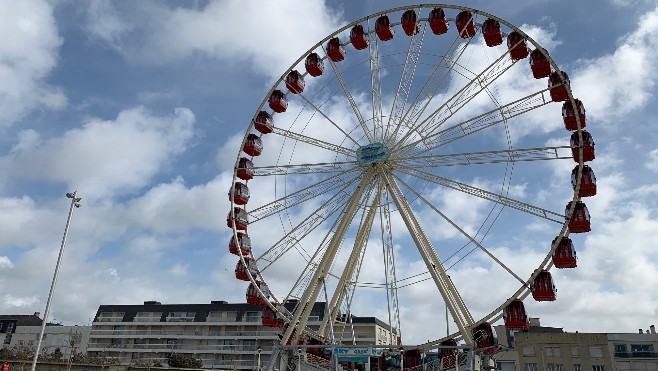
[183, 361]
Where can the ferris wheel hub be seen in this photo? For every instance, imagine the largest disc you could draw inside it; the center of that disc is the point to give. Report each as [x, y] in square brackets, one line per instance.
[372, 153]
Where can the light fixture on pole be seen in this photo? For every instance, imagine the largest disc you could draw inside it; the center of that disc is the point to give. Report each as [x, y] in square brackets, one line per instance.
[401, 359]
[258, 350]
[75, 202]
[299, 359]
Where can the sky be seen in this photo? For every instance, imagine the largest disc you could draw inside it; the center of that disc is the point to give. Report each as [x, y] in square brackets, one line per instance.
[141, 108]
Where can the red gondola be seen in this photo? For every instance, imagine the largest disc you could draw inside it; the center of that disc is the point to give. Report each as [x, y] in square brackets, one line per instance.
[518, 49]
[241, 219]
[314, 65]
[295, 82]
[243, 244]
[465, 24]
[241, 271]
[264, 122]
[543, 288]
[252, 293]
[491, 32]
[240, 193]
[413, 358]
[448, 354]
[410, 22]
[565, 254]
[278, 101]
[270, 318]
[558, 90]
[245, 169]
[253, 146]
[438, 22]
[569, 116]
[383, 28]
[587, 144]
[515, 316]
[358, 37]
[485, 338]
[539, 64]
[335, 51]
[587, 183]
[579, 222]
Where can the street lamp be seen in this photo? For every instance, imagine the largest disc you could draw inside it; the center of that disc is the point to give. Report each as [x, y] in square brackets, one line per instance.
[299, 359]
[401, 359]
[258, 350]
[75, 201]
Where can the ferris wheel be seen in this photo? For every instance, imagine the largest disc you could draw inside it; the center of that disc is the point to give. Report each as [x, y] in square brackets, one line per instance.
[417, 152]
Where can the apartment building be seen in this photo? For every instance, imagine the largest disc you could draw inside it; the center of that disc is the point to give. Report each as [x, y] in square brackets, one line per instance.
[220, 334]
[552, 349]
[24, 330]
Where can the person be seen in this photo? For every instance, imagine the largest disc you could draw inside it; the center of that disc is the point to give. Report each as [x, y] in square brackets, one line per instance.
[5, 367]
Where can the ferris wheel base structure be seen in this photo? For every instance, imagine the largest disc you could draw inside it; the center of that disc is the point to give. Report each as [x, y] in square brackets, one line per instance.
[413, 157]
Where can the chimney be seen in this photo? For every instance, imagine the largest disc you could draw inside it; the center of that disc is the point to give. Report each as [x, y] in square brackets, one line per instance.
[37, 314]
[534, 321]
[652, 328]
[647, 331]
[640, 331]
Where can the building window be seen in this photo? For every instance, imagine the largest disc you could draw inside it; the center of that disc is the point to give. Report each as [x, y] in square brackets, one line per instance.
[181, 317]
[576, 367]
[620, 348]
[595, 352]
[249, 345]
[252, 317]
[172, 343]
[10, 328]
[642, 350]
[552, 351]
[148, 317]
[598, 368]
[529, 367]
[554, 367]
[575, 352]
[116, 343]
[528, 350]
[110, 317]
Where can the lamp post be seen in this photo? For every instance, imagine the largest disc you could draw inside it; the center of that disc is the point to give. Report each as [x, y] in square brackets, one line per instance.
[258, 350]
[401, 359]
[299, 359]
[75, 202]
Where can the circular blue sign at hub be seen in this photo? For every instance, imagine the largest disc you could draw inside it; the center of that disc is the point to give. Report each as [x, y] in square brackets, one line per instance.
[371, 154]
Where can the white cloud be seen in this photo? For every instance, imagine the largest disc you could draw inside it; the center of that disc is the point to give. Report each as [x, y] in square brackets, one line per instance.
[106, 156]
[6, 263]
[613, 85]
[28, 53]
[233, 30]
[653, 160]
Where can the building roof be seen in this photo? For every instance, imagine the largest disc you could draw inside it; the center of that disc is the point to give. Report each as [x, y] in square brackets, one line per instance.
[22, 319]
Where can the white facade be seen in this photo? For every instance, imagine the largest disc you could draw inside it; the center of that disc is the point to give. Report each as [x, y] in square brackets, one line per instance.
[67, 338]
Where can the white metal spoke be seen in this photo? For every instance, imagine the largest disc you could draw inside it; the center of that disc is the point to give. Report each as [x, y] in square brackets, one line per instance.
[455, 103]
[490, 196]
[406, 79]
[483, 121]
[462, 231]
[347, 278]
[317, 109]
[375, 81]
[453, 301]
[486, 157]
[319, 168]
[305, 304]
[342, 180]
[300, 231]
[315, 142]
[389, 267]
[430, 88]
[350, 99]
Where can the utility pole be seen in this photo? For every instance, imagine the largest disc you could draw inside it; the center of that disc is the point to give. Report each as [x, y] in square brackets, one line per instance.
[75, 202]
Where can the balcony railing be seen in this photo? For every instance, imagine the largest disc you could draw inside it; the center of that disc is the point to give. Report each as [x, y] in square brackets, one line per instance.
[182, 333]
[249, 349]
[636, 355]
